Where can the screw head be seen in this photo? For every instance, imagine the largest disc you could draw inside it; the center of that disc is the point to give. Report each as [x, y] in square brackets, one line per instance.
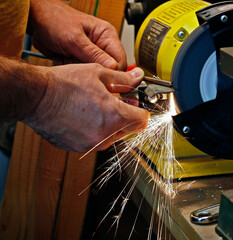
[224, 18]
[181, 34]
[186, 129]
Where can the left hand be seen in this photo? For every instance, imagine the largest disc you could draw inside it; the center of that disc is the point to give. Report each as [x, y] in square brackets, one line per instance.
[67, 35]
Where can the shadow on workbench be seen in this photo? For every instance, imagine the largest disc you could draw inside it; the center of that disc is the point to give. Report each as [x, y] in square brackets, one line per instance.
[99, 204]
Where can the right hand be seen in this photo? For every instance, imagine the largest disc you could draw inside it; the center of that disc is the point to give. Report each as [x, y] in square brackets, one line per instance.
[79, 111]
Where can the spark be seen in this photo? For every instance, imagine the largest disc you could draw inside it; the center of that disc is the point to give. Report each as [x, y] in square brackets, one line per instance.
[149, 160]
[141, 155]
[156, 142]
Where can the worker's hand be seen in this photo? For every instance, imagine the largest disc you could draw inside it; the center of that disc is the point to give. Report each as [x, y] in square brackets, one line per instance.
[67, 35]
[79, 110]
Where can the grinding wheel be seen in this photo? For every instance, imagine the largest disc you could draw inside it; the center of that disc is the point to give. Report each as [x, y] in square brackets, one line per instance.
[194, 74]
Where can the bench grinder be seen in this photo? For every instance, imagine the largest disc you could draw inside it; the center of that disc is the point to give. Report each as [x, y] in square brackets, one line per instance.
[187, 44]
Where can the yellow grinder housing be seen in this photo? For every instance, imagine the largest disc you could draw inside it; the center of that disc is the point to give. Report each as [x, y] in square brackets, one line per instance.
[158, 42]
[162, 33]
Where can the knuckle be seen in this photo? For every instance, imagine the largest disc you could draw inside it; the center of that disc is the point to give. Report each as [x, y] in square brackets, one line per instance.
[73, 36]
[110, 27]
[72, 40]
[99, 69]
[105, 23]
[98, 66]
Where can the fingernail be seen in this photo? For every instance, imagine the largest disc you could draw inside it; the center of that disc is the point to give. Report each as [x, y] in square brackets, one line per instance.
[110, 63]
[137, 72]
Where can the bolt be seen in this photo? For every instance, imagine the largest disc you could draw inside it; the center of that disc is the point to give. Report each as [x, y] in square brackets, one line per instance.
[181, 34]
[224, 18]
[186, 129]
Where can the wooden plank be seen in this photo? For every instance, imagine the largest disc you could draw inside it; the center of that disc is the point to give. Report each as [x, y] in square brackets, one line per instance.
[20, 184]
[78, 177]
[113, 12]
[79, 173]
[18, 218]
[39, 61]
[49, 179]
[48, 186]
[87, 6]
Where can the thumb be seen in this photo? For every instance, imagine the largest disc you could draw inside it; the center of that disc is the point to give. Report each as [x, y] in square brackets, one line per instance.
[86, 51]
[122, 82]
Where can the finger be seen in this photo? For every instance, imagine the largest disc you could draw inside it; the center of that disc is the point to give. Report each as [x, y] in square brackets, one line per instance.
[111, 45]
[118, 53]
[133, 119]
[105, 36]
[138, 125]
[87, 52]
[131, 99]
[122, 82]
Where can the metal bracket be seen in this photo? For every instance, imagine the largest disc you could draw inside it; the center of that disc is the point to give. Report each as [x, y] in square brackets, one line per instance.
[219, 18]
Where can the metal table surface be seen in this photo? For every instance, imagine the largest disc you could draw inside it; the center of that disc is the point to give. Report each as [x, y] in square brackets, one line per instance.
[201, 193]
[192, 194]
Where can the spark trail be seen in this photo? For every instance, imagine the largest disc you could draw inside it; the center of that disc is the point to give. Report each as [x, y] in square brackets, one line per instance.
[141, 155]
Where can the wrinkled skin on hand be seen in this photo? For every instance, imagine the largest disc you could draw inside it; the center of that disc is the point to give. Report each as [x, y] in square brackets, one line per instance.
[79, 111]
[67, 35]
[81, 108]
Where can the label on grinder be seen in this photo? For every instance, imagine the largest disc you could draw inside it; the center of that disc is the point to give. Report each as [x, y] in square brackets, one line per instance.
[150, 43]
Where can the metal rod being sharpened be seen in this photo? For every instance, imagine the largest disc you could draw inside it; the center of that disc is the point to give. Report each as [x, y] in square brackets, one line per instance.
[157, 80]
[157, 86]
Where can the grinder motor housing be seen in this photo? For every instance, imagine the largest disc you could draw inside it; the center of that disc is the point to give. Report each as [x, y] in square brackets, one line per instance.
[186, 42]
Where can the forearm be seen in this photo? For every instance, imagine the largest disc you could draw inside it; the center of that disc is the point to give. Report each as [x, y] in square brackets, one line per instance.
[22, 87]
